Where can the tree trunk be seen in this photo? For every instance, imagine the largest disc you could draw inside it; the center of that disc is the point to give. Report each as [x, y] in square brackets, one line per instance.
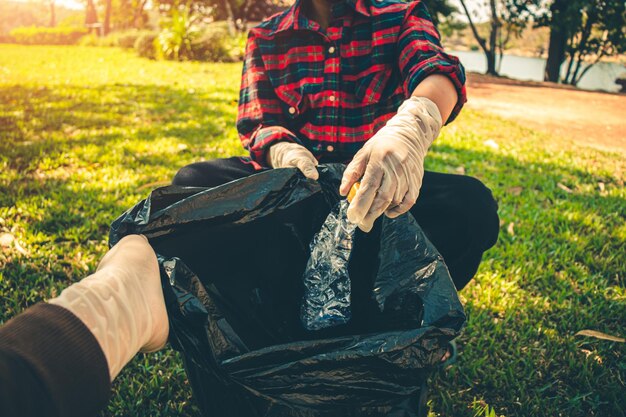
[601, 54]
[490, 54]
[230, 18]
[138, 19]
[502, 44]
[492, 49]
[107, 17]
[574, 81]
[244, 16]
[493, 40]
[91, 15]
[126, 21]
[587, 68]
[559, 35]
[53, 18]
[491, 63]
[579, 49]
[556, 54]
[570, 64]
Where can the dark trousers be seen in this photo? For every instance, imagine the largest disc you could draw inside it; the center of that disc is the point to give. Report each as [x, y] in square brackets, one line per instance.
[458, 213]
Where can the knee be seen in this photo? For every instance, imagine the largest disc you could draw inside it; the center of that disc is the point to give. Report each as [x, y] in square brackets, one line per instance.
[482, 211]
[187, 176]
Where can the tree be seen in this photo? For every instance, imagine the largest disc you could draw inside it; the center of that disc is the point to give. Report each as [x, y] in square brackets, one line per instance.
[239, 12]
[178, 33]
[14, 14]
[560, 16]
[600, 33]
[236, 12]
[504, 22]
[232, 21]
[108, 6]
[581, 31]
[559, 28]
[91, 14]
[53, 17]
[127, 14]
[139, 13]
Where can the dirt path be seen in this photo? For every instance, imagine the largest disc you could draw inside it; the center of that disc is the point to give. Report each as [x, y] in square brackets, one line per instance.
[590, 118]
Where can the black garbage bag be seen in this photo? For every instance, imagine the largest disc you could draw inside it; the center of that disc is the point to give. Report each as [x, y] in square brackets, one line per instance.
[232, 259]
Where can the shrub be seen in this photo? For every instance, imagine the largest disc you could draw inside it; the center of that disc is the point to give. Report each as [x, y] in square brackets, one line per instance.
[48, 36]
[145, 45]
[218, 25]
[178, 34]
[89, 40]
[123, 39]
[109, 40]
[5, 38]
[217, 45]
[128, 38]
[238, 46]
[212, 46]
[94, 40]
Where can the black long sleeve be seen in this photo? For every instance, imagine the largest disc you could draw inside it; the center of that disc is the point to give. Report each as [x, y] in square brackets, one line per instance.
[51, 365]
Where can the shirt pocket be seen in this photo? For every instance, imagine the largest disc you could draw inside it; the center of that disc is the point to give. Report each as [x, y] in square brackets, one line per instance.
[291, 100]
[372, 87]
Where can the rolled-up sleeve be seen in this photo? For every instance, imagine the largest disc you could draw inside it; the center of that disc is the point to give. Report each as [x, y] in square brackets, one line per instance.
[420, 54]
[260, 120]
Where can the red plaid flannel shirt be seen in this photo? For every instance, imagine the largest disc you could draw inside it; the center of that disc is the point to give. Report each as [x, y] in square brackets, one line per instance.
[331, 90]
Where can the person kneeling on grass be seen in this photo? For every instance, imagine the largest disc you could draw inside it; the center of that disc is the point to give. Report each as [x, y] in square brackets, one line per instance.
[365, 82]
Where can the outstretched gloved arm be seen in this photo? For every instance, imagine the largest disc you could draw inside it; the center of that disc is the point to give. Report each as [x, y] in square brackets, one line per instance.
[390, 165]
[122, 302]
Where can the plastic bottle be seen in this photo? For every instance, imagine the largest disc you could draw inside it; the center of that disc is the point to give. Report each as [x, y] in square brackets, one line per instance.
[327, 288]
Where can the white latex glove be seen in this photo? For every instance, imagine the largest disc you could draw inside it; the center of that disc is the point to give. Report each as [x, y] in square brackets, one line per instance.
[122, 303]
[391, 164]
[292, 155]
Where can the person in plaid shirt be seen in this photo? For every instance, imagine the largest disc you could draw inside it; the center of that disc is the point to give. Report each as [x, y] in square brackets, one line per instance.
[364, 82]
[367, 83]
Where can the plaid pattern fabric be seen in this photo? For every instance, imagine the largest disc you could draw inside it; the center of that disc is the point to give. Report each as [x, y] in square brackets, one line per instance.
[331, 90]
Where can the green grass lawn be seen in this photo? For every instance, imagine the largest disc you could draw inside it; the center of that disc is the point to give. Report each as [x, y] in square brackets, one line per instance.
[87, 132]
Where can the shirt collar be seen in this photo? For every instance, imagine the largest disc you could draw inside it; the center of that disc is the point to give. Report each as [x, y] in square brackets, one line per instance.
[293, 19]
[360, 6]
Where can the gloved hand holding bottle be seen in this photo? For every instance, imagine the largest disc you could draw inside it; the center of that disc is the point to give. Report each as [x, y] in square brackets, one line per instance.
[390, 166]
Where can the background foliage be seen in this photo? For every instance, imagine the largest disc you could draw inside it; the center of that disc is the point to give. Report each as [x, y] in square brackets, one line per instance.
[34, 35]
[581, 32]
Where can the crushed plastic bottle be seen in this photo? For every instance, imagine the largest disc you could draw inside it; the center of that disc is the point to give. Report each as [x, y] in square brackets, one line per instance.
[327, 286]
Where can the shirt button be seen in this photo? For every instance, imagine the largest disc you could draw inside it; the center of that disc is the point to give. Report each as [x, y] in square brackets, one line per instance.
[330, 148]
[331, 98]
[331, 50]
[292, 110]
